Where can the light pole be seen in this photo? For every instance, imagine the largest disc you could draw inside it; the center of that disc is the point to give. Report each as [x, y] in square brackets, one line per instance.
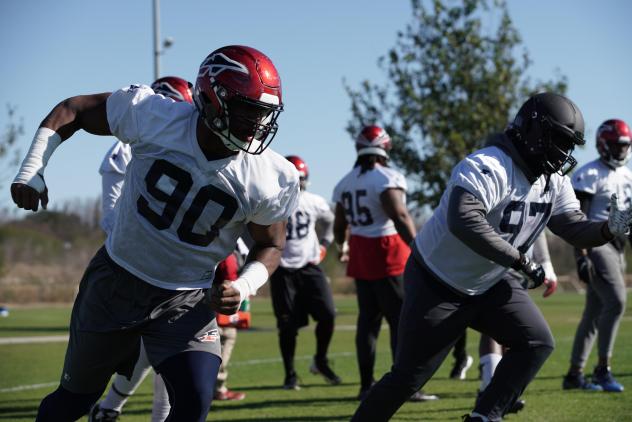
[156, 39]
[168, 42]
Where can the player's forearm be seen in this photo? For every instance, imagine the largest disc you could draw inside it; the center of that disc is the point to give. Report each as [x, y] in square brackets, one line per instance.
[268, 255]
[405, 227]
[580, 232]
[467, 222]
[263, 258]
[87, 112]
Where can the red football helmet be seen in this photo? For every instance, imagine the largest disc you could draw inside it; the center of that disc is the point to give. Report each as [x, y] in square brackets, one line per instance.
[301, 166]
[373, 140]
[173, 87]
[238, 95]
[613, 142]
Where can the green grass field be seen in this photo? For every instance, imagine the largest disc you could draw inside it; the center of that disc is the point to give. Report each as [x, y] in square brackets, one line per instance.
[29, 371]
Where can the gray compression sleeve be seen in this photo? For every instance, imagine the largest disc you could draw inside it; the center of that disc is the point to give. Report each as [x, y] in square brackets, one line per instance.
[467, 222]
[577, 230]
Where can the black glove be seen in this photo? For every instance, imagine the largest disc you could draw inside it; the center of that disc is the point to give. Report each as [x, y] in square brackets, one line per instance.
[533, 271]
[585, 268]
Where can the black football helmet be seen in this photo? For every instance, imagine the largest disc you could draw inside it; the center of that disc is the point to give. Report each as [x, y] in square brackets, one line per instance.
[545, 131]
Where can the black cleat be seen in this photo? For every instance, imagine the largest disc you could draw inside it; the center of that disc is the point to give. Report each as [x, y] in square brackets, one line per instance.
[99, 414]
[468, 418]
[517, 406]
[459, 370]
[321, 366]
[291, 382]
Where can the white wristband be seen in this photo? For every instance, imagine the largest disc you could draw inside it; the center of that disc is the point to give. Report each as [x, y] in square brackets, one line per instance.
[253, 275]
[31, 171]
[549, 272]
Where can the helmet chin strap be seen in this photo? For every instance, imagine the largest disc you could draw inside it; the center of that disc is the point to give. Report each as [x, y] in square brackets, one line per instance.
[232, 144]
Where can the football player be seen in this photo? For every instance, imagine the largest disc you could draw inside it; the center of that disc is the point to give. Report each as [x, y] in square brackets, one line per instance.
[112, 170]
[497, 202]
[299, 287]
[371, 200]
[199, 176]
[601, 268]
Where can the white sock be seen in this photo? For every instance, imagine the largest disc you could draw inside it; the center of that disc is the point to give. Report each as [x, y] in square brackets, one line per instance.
[161, 407]
[489, 362]
[121, 385]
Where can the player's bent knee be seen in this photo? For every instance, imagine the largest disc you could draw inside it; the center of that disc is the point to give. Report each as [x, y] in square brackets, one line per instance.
[63, 405]
[616, 308]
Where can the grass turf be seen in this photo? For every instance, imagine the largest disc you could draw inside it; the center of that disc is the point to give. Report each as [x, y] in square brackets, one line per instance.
[30, 371]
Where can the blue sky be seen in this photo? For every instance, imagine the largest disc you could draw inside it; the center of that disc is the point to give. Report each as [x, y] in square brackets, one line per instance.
[53, 50]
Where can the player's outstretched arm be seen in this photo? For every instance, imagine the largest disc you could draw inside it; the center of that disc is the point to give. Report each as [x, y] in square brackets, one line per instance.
[86, 112]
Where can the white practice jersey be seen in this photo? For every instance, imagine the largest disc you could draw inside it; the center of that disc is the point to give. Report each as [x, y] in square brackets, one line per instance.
[600, 181]
[302, 245]
[112, 172]
[180, 214]
[517, 210]
[359, 195]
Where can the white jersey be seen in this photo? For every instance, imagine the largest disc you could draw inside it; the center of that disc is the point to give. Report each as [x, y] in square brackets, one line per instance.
[517, 210]
[180, 214]
[302, 245]
[359, 195]
[112, 172]
[597, 179]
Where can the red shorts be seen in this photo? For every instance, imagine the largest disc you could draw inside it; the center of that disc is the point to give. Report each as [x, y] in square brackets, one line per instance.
[372, 258]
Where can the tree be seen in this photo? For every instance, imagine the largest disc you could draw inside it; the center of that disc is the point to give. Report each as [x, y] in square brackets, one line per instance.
[451, 83]
[9, 154]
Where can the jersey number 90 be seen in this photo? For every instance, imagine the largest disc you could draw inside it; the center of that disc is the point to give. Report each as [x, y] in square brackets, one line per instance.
[173, 201]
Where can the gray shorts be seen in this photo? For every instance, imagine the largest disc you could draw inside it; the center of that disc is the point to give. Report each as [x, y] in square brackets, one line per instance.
[114, 310]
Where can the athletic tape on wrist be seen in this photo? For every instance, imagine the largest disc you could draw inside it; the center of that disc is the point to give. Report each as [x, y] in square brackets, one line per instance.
[31, 171]
[253, 275]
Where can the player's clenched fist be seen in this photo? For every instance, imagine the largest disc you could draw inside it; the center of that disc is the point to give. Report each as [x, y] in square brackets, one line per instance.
[223, 297]
[27, 197]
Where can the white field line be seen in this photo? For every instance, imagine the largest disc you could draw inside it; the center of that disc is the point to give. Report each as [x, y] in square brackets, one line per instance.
[38, 339]
[240, 363]
[28, 387]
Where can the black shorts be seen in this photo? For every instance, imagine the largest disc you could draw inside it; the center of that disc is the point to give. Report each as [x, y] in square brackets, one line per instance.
[297, 293]
[114, 310]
